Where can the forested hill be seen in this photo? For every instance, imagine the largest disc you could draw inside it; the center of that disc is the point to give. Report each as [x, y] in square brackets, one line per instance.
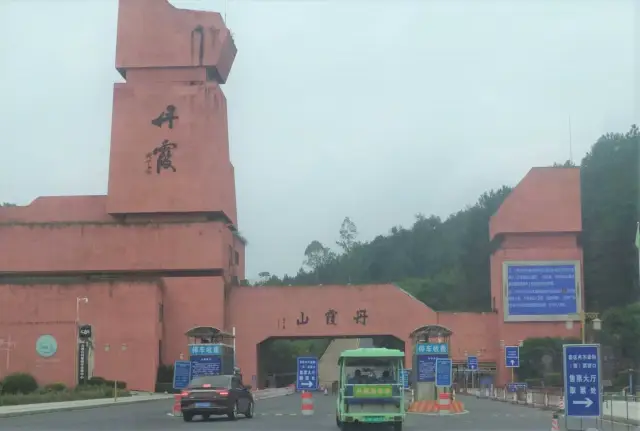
[445, 263]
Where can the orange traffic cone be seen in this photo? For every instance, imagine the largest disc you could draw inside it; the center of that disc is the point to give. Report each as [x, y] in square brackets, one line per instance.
[177, 408]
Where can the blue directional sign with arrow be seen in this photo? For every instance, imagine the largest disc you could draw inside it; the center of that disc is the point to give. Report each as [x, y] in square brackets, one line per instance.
[512, 356]
[582, 380]
[472, 363]
[307, 374]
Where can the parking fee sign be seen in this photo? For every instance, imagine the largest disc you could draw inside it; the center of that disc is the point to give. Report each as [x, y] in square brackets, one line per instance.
[582, 380]
[307, 374]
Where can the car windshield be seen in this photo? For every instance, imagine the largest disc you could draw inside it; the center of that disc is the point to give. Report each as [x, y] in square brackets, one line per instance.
[371, 370]
[211, 381]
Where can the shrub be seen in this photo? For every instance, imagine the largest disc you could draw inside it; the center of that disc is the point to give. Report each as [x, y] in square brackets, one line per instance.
[165, 374]
[55, 387]
[19, 383]
[88, 393]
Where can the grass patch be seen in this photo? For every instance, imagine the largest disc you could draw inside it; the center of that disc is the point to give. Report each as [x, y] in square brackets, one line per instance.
[48, 395]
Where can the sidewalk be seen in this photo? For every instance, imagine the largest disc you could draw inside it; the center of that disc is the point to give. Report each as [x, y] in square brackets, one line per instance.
[31, 409]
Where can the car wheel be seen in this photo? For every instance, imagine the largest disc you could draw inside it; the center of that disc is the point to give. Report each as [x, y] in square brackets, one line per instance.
[205, 417]
[397, 426]
[187, 417]
[338, 422]
[233, 414]
[249, 412]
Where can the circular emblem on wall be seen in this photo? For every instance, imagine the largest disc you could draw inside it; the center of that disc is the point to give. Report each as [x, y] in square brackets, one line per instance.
[46, 346]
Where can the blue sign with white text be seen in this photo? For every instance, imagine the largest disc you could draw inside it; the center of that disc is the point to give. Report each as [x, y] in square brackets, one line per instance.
[516, 386]
[307, 374]
[582, 380]
[181, 374]
[427, 367]
[472, 363]
[404, 379]
[204, 349]
[205, 365]
[427, 348]
[541, 290]
[444, 373]
[512, 356]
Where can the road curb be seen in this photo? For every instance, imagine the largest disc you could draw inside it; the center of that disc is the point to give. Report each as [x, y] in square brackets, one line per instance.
[124, 402]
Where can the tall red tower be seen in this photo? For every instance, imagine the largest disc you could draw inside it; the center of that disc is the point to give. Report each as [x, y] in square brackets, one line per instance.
[170, 154]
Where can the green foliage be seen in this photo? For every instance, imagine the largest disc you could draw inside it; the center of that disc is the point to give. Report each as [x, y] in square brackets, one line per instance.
[541, 361]
[55, 387]
[279, 356]
[7, 204]
[165, 374]
[22, 388]
[88, 392]
[609, 175]
[621, 331]
[19, 383]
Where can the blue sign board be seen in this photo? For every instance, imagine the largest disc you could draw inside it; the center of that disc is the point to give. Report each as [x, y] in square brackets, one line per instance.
[516, 386]
[541, 290]
[205, 365]
[427, 348]
[181, 374]
[444, 373]
[307, 374]
[472, 363]
[404, 379]
[512, 356]
[204, 349]
[582, 380]
[427, 367]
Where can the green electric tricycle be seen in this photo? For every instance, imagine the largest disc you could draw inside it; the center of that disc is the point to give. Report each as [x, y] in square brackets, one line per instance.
[371, 390]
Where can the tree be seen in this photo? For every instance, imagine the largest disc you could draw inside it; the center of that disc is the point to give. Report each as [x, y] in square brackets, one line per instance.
[348, 235]
[609, 180]
[317, 255]
[7, 204]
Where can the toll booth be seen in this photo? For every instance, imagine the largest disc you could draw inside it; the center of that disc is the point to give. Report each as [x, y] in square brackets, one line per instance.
[211, 352]
[429, 343]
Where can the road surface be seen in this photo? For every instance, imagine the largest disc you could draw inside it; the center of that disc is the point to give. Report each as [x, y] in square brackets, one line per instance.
[282, 414]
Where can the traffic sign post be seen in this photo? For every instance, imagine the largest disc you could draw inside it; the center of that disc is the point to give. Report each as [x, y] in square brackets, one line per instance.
[472, 363]
[581, 363]
[307, 374]
[512, 358]
[444, 373]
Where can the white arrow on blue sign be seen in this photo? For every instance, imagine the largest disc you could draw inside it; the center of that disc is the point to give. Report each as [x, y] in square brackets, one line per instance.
[472, 363]
[307, 373]
[581, 363]
[512, 356]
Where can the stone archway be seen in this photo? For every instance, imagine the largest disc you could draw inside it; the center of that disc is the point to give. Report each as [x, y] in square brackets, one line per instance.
[259, 313]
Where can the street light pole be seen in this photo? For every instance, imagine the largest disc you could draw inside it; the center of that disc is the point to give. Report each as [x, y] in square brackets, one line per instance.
[588, 317]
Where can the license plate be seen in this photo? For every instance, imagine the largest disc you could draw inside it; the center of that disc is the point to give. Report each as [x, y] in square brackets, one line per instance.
[374, 419]
[202, 405]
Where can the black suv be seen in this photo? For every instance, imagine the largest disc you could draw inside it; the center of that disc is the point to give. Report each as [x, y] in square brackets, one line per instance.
[216, 396]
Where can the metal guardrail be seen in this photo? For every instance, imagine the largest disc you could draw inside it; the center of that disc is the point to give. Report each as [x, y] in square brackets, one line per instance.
[615, 407]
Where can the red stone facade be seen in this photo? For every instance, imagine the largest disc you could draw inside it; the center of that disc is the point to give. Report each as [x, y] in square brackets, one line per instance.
[160, 254]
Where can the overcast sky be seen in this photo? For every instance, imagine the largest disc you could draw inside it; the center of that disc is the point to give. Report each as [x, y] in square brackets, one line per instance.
[375, 109]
